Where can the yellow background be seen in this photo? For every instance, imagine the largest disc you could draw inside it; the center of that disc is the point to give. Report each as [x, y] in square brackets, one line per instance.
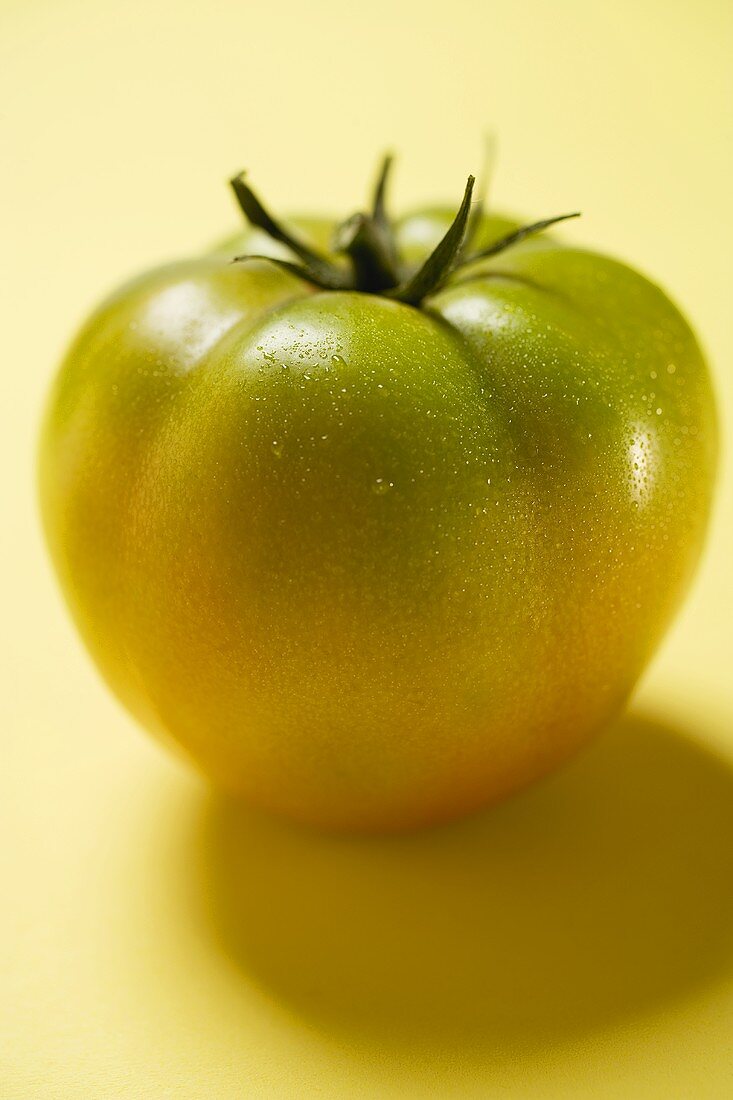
[157, 943]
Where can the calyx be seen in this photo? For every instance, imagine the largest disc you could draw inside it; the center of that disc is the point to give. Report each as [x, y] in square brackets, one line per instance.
[366, 241]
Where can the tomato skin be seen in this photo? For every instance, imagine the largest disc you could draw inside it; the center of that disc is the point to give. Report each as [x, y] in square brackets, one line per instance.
[375, 566]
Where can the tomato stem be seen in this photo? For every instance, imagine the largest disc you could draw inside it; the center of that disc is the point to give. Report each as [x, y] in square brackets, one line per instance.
[368, 241]
[369, 246]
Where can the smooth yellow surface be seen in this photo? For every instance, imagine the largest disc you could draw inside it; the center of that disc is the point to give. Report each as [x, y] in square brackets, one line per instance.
[159, 943]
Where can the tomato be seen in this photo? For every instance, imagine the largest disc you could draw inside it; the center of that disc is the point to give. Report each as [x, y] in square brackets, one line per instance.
[378, 531]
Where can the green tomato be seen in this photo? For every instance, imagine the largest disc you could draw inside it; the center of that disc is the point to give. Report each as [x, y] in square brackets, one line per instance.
[369, 561]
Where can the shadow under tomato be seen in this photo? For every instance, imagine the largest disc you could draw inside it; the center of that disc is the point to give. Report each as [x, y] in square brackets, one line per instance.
[600, 893]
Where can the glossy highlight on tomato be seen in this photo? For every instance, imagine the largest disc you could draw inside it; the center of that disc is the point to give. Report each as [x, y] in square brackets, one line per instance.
[378, 533]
